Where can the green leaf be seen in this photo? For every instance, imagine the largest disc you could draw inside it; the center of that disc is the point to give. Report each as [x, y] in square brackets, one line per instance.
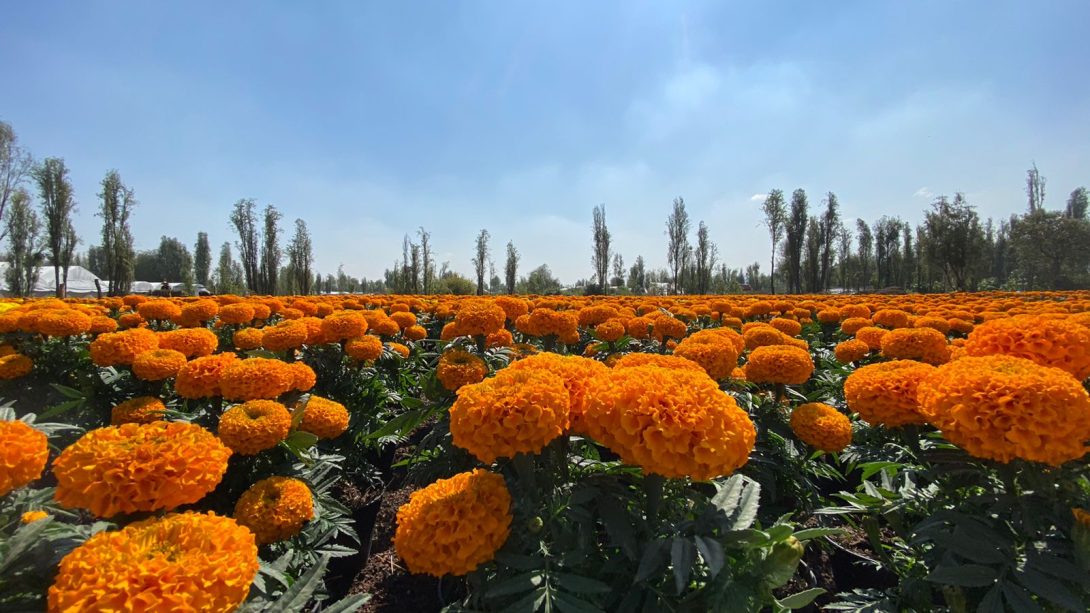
[653, 559]
[1050, 589]
[726, 498]
[984, 552]
[617, 524]
[515, 585]
[518, 561]
[580, 585]
[747, 507]
[967, 575]
[572, 604]
[992, 602]
[67, 392]
[531, 602]
[300, 441]
[25, 537]
[298, 595]
[712, 552]
[869, 469]
[813, 533]
[1018, 599]
[682, 557]
[348, 604]
[61, 408]
[801, 599]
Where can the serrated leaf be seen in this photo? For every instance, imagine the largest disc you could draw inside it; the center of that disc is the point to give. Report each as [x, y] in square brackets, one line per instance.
[726, 498]
[25, 537]
[992, 602]
[1018, 598]
[580, 584]
[712, 553]
[801, 599]
[568, 603]
[518, 561]
[348, 604]
[298, 595]
[966, 575]
[1050, 589]
[653, 559]
[528, 604]
[682, 556]
[747, 507]
[515, 585]
[617, 525]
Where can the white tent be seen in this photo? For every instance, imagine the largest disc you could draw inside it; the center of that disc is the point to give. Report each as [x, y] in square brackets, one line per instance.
[81, 282]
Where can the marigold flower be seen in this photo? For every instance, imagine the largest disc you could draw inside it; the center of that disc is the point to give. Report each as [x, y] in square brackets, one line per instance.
[64, 322]
[784, 364]
[254, 426]
[102, 324]
[130, 320]
[343, 325]
[366, 348]
[872, 336]
[121, 348]
[762, 335]
[517, 411]
[892, 318]
[853, 324]
[200, 378]
[513, 307]
[199, 312]
[417, 333]
[180, 562]
[275, 509]
[454, 525]
[238, 313]
[715, 353]
[248, 338]
[1001, 407]
[479, 317]
[821, 426]
[399, 349]
[591, 316]
[32, 516]
[885, 393]
[1059, 343]
[23, 454]
[284, 336]
[664, 327]
[790, 327]
[828, 316]
[139, 467]
[935, 323]
[404, 319]
[457, 368]
[632, 360]
[256, 379]
[305, 377]
[851, 351]
[324, 418]
[670, 422]
[162, 310]
[610, 330]
[158, 364]
[15, 365]
[576, 373]
[139, 410]
[191, 342]
[924, 344]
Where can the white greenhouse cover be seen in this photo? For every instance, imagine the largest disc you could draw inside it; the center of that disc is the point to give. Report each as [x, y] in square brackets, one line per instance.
[81, 282]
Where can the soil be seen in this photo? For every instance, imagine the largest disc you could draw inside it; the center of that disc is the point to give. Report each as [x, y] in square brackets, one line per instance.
[392, 587]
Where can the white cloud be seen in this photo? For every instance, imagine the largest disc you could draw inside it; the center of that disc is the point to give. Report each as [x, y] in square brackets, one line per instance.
[758, 197]
[923, 192]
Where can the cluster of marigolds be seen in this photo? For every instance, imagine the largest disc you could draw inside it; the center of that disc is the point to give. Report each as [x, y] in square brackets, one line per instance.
[1000, 375]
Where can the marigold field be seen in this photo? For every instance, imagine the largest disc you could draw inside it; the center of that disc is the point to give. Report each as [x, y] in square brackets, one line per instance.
[571, 454]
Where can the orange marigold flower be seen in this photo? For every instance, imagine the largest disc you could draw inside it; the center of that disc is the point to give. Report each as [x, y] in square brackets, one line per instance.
[935, 323]
[200, 378]
[64, 322]
[499, 338]
[305, 377]
[454, 525]
[248, 338]
[513, 307]
[885, 393]
[256, 379]
[892, 318]
[576, 373]
[284, 336]
[399, 349]
[23, 453]
[638, 327]
[851, 351]
[670, 422]
[324, 418]
[344, 325]
[417, 333]
[924, 344]
[872, 336]
[192, 342]
[158, 364]
[180, 562]
[139, 467]
[479, 317]
[15, 365]
[102, 324]
[199, 312]
[762, 335]
[130, 320]
[238, 313]
[121, 348]
[1001, 408]
[139, 410]
[254, 426]
[162, 310]
[715, 353]
[784, 364]
[591, 316]
[275, 509]
[262, 310]
[404, 319]
[458, 367]
[853, 324]
[1060, 343]
[610, 330]
[821, 426]
[828, 316]
[517, 411]
[790, 327]
[632, 360]
[664, 327]
[32, 516]
[365, 348]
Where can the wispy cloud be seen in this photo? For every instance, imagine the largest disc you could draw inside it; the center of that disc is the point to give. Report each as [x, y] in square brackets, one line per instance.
[924, 192]
[758, 197]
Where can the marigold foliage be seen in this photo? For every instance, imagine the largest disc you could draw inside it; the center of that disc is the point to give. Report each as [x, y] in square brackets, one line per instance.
[180, 562]
[139, 467]
[24, 451]
[821, 426]
[517, 411]
[1002, 407]
[275, 509]
[454, 525]
[671, 422]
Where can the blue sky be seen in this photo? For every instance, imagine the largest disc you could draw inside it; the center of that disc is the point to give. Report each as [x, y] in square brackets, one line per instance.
[371, 119]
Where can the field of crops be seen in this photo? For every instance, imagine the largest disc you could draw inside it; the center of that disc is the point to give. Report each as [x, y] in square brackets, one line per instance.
[571, 454]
